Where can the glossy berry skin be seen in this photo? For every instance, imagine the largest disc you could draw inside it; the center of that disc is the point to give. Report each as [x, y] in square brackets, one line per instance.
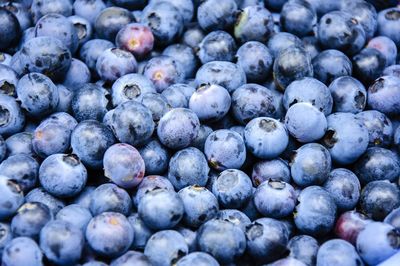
[388, 24]
[377, 242]
[109, 234]
[349, 95]
[30, 219]
[331, 64]
[113, 63]
[12, 197]
[109, 198]
[46, 55]
[61, 242]
[265, 137]
[254, 23]
[338, 30]
[275, 199]
[303, 248]
[89, 102]
[110, 20]
[368, 64]
[62, 175]
[88, 9]
[10, 29]
[12, 119]
[281, 41]
[133, 258]
[308, 90]
[161, 209]
[225, 149]
[228, 233]
[155, 157]
[383, 95]
[346, 138]
[185, 55]
[89, 140]
[217, 46]
[298, 17]
[135, 38]
[386, 46]
[338, 251]
[232, 188]
[22, 251]
[150, 183]
[77, 74]
[91, 50]
[210, 102]
[164, 20]
[305, 122]
[200, 205]
[226, 74]
[276, 169]
[290, 65]
[165, 247]
[344, 187]
[214, 15]
[316, 212]
[252, 100]
[266, 239]
[188, 167]
[379, 198]
[255, 59]
[76, 215]
[178, 128]
[349, 225]
[197, 258]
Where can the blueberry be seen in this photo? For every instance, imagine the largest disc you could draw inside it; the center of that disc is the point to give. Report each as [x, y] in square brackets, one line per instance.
[40, 195]
[350, 224]
[131, 257]
[114, 63]
[234, 216]
[276, 169]
[12, 119]
[10, 30]
[298, 17]
[21, 168]
[178, 95]
[216, 246]
[210, 102]
[200, 140]
[214, 15]
[393, 70]
[109, 234]
[303, 248]
[90, 140]
[388, 24]
[22, 251]
[383, 95]
[266, 239]
[386, 46]
[185, 8]
[379, 198]
[135, 38]
[193, 36]
[150, 183]
[12, 197]
[83, 199]
[157, 104]
[197, 258]
[40, 8]
[165, 248]
[338, 251]
[88, 9]
[311, 45]
[344, 187]
[254, 23]
[265, 137]
[346, 138]
[377, 242]
[315, 214]
[185, 55]
[288, 261]
[349, 95]
[200, 205]
[83, 28]
[91, 51]
[110, 20]
[251, 100]
[189, 236]
[368, 64]
[30, 219]
[364, 13]
[155, 157]
[75, 214]
[141, 231]
[8, 80]
[226, 74]
[77, 75]
[281, 41]
[291, 64]
[110, 198]
[275, 5]
[217, 46]
[161, 209]
[89, 102]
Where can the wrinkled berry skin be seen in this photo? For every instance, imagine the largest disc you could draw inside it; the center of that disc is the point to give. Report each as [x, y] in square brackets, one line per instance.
[110, 20]
[228, 233]
[377, 242]
[350, 224]
[10, 29]
[113, 63]
[155, 156]
[123, 165]
[90, 140]
[46, 55]
[76, 215]
[12, 197]
[226, 74]
[109, 197]
[22, 251]
[197, 258]
[62, 175]
[217, 46]
[388, 24]
[254, 23]
[298, 17]
[266, 239]
[265, 137]
[368, 65]
[12, 119]
[89, 102]
[379, 198]
[349, 95]
[346, 138]
[303, 248]
[91, 50]
[338, 251]
[251, 100]
[225, 149]
[384, 94]
[165, 247]
[178, 128]
[109, 234]
[316, 212]
[161, 209]
[214, 15]
[135, 38]
[290, 65]
[275, 199]
[276, 169]
[200, 205]
[188, 167]
[344, 187]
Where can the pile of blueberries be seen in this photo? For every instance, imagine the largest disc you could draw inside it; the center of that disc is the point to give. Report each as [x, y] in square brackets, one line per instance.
[199, 133]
